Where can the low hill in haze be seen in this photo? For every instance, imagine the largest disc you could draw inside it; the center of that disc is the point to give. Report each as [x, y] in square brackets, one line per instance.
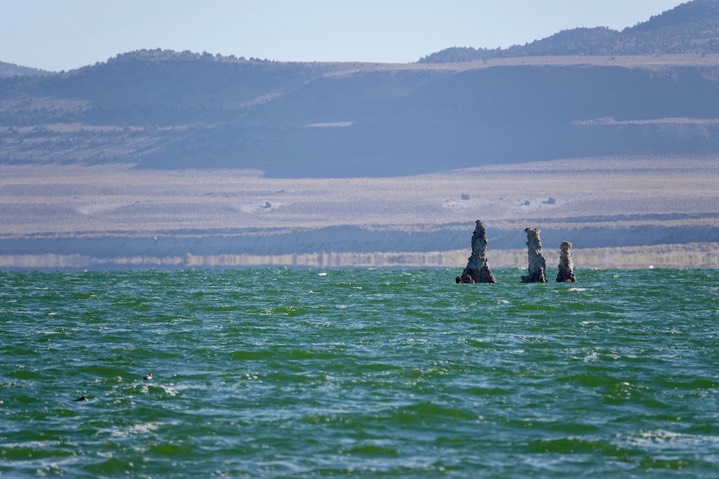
[10, 69]
[692, 27]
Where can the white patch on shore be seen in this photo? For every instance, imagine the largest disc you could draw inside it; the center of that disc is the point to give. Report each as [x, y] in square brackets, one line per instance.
[259, 207]
[95, 208]
[330, 124]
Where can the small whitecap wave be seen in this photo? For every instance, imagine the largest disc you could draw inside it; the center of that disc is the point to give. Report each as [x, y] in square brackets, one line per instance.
[131, 430]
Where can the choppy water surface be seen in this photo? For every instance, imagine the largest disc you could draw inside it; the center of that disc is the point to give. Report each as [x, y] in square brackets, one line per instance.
[358, 373]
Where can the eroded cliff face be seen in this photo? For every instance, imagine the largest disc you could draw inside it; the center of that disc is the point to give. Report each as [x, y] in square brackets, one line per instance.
[477, 270]
[566, 265]
[537, 263]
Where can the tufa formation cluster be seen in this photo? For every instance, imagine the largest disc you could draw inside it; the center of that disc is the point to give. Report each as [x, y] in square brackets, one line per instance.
[477, 270]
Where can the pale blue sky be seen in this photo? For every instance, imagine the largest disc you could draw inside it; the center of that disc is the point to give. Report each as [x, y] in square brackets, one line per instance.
[67, 34]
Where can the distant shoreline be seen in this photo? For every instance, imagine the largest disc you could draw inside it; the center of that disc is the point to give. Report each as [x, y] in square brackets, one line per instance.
[618, 212]
[674, 256]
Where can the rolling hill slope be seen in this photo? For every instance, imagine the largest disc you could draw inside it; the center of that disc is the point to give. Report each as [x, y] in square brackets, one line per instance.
[159, 109]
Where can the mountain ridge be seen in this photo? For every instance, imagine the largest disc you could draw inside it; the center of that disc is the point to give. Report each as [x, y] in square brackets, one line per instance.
[690, 28]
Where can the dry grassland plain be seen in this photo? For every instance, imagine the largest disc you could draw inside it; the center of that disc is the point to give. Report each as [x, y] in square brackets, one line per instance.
[82, 203]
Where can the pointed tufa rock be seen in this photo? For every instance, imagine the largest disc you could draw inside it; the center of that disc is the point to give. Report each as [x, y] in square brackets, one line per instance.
[537, 263]
[566, 265]
[477, 270]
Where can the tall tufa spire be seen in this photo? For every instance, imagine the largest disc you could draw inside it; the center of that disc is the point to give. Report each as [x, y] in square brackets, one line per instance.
[477, 270]
[537, 263]
[566, 265]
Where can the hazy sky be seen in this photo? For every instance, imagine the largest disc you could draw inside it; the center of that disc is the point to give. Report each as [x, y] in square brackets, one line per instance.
[66, 34]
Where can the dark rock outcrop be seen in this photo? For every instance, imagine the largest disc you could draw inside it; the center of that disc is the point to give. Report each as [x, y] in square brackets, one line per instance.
[537, 263]
[477, 270]
[566, 265]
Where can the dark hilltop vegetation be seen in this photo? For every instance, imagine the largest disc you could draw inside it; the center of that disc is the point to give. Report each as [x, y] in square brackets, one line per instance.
[172, 110]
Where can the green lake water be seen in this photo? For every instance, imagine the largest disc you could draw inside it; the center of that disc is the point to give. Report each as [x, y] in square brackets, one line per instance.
[282, 373]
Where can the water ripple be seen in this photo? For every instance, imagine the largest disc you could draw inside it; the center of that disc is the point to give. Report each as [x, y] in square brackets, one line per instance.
[358, 373]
